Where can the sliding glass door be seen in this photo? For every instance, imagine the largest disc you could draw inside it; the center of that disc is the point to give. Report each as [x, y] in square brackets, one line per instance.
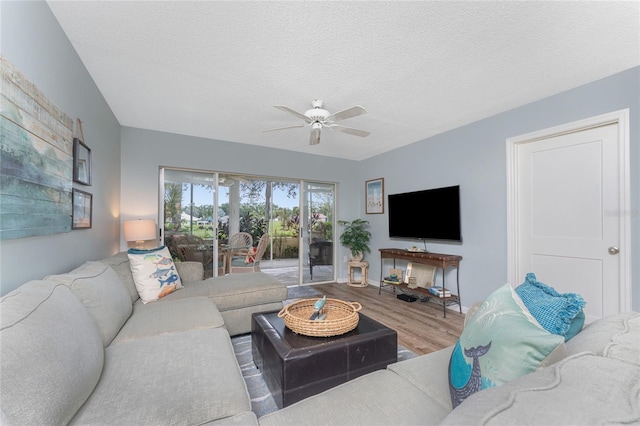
[189, 216]
[211, 206]
[318, 205]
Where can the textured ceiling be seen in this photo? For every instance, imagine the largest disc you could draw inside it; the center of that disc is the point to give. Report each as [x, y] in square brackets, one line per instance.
[214, 69]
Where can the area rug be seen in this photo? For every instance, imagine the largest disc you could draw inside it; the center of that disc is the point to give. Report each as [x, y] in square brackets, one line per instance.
[301, 292]
[262, 401]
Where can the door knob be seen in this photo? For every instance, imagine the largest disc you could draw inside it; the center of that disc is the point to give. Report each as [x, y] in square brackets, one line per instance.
[614, 250]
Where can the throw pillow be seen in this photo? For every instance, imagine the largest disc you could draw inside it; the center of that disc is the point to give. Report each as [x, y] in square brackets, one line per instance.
[554, 311]
[501, 341]
[576, 326]
[154, 273]
[251, 255]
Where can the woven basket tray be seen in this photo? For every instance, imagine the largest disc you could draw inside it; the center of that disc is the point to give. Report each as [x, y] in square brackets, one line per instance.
[342, 317]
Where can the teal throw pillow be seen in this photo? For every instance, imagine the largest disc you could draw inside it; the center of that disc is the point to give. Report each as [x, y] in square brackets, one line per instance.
[554, 311]
[501, 342]
[575, 327]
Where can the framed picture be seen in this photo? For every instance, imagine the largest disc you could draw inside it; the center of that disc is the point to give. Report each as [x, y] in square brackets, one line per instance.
[374, 196]
[81, 162]
[82, 209]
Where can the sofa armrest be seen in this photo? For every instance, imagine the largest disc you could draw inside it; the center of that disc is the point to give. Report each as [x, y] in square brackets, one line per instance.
[190, 271]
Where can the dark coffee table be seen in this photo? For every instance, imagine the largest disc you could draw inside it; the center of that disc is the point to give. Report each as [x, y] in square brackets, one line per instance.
[296, 367]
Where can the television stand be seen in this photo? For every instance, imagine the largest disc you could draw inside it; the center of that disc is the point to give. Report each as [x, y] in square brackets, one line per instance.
[442, 261]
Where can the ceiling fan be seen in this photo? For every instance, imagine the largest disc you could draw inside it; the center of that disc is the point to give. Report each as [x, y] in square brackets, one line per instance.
[317, 118]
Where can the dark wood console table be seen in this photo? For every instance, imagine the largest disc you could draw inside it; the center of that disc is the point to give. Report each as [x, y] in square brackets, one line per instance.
[442, 261]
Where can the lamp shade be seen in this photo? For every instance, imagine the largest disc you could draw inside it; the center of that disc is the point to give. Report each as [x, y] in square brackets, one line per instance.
[139, 230]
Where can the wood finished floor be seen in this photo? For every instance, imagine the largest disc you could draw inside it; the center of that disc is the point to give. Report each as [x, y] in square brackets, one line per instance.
[421, 326]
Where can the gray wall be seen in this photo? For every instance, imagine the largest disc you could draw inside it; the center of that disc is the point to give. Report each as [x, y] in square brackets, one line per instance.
[145, 151]
[474, 156]
[34, 42]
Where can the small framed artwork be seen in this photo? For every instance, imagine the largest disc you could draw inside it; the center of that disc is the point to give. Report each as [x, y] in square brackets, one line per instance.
[374, 196]
[81, 162]
[82, 209]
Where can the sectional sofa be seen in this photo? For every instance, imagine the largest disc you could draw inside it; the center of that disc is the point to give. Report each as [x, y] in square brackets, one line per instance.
[80, 348]
[597, 383]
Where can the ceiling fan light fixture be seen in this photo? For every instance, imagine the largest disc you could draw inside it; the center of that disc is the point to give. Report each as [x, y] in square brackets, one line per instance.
[318, 117]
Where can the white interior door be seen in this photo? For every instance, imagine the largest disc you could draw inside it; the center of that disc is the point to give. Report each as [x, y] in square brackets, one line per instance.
[567, 223]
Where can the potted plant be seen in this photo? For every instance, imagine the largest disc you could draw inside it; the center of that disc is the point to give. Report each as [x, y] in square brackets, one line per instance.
[356, 237]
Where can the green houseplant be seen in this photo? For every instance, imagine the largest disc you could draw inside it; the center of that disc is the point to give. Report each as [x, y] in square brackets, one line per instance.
[356, 237]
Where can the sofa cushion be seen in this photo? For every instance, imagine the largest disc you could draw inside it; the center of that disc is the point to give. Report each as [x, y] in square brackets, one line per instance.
[554, 311]
[377, 398]
[52, 354]
[153, 319]
[616, 336]
[247, 418]
[190, 271]
[501, 342]
[428, 374]
[154, 273]
[581, 389]
[248, 289]
[119, 262]
[236, 290]
[187, 378]
[102, 292]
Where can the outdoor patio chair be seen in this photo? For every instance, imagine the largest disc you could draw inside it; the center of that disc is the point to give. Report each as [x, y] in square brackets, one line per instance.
[320, 253]
[249, 260]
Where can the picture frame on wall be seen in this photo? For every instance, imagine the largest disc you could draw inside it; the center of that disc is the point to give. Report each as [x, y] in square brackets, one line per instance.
[82, 210]
[81, 162]
[374, 196]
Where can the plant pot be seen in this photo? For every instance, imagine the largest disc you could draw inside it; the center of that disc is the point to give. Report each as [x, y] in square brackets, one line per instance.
[358, 256]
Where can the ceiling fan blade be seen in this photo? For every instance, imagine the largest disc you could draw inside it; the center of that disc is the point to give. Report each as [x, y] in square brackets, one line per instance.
[347, 113]
[349, 130]
[286, 127]
[291, 111]
[315, 137]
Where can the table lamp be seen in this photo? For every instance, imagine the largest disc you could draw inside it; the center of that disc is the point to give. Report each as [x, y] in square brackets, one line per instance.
[139, 231]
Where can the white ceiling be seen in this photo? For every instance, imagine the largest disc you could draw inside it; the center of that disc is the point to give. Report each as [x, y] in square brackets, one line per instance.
[214, 69]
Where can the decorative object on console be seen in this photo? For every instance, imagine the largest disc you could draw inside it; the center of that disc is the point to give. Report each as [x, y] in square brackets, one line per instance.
[501, 342]
[374, 196]
[424, 274]
[82, 210]
[439, 291]
[412, 282]
[154, 273]
[140, 230]
[556, 312]
[356, 237]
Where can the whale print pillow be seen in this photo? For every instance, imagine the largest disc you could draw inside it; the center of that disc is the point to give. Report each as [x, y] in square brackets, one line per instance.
[501, 342]
[154, 273]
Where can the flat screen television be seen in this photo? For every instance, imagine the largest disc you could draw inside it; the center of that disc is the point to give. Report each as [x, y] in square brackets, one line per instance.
[430, 214]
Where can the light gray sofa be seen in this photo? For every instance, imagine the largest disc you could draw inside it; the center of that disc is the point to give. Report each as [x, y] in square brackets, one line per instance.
[597, 383]
[81, 348]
